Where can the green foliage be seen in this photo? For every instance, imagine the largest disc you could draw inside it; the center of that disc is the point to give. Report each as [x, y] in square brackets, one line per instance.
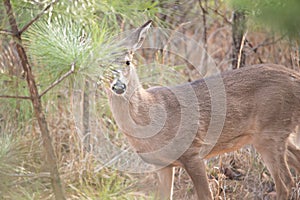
[24, 11]
[57, 45]
[80, 32]
[281, 15]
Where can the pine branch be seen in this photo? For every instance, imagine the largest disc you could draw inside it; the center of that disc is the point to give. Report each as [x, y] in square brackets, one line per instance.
[5, 32]
[14, 97]
[71, 71]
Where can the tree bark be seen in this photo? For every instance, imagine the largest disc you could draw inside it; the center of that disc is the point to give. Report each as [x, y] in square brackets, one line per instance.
[238, 39]
[204, 57]
[86, 115]
[37, 105]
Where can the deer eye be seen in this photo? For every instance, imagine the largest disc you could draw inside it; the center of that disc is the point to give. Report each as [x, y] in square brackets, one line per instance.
[128, 62]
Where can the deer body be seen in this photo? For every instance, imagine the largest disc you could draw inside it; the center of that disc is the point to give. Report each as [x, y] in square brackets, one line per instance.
[262, 109]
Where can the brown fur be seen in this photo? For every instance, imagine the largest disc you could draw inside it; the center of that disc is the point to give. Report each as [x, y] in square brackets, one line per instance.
[262, 108]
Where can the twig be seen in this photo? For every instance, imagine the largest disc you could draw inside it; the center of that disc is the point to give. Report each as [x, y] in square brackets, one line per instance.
[173, 34]
[217, 12]
[113, 160]
[266, 43]
[254, 50]
[28, 177]
[36, 18]
[241, 49]
[204, 11]
[14, 97]
[5, 32]
[42, 174]
[71, 71]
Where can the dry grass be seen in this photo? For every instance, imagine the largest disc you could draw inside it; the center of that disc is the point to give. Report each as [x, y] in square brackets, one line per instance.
[237, 175]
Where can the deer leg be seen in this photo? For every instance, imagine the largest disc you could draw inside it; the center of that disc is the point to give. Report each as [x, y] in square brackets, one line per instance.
[195, 167]
[165, 186]
[293, 156]
[273, 153]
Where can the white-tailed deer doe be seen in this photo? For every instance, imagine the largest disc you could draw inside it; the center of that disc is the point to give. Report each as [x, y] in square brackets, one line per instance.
[262, 109]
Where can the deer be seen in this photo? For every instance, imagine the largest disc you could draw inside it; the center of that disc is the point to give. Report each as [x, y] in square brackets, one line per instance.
[168, 126]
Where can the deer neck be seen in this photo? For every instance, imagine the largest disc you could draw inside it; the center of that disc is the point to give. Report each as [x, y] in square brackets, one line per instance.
[133, 86]
[130, 110]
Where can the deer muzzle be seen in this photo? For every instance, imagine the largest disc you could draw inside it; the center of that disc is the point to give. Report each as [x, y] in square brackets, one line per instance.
[118, 87]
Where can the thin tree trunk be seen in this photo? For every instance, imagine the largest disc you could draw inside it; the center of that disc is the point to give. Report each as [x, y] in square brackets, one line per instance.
[37, 105]
[238, 39]
[204, 57]
[86, 115]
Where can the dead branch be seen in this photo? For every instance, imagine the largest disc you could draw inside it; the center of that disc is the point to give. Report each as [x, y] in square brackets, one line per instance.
[266, 43]
[38, 175]
[254, 50]
[172, 35]
[241, 50]
[5, 32]
[217, 12]
[14, 97]
[28, 177]
[238, 39]
[204, 11]
[71, 71]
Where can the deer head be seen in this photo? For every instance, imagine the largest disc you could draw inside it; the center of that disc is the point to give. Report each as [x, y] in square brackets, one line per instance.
[125, 77]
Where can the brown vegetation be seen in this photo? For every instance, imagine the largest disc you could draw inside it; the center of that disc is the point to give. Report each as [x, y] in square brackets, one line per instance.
[237, 175]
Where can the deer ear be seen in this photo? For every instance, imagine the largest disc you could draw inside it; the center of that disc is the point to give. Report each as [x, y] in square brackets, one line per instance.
[138, 36]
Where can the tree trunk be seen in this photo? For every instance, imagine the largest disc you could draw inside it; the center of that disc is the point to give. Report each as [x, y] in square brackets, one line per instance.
[37, 105]
[86, 115]
[204, 57]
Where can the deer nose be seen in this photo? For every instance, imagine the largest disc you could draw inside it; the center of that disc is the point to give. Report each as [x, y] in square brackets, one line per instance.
[118, 87]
